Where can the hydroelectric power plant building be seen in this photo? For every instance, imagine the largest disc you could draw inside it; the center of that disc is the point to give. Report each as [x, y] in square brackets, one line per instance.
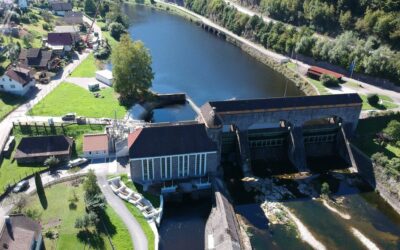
[293, 127]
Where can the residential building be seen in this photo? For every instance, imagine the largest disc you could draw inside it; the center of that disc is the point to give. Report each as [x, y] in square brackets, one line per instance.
[21, 233]
[60, 42]
[17, 80]
[60, 8]
[96, 146]
[171, 152]
[39, 148]
[73, 18]
[37, 58]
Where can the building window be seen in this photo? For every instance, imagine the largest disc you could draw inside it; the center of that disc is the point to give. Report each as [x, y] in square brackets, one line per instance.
[186, 166]
[200, 165]
[147, 169]
[1, 86]
[12, 86]
[180, 166]
[166, 168]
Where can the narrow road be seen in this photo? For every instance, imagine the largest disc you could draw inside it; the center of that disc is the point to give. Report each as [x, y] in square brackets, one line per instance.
[135, 230]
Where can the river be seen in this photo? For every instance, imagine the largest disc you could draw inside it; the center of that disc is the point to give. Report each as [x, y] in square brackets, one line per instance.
[188, 59]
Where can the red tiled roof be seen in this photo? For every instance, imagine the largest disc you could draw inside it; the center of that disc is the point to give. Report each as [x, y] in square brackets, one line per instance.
[320, 71]
[95, 142]
[19, 74]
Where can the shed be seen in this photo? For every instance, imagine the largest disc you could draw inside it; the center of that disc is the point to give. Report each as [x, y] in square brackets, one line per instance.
[104, 76]
[96, 146]
[317, 72]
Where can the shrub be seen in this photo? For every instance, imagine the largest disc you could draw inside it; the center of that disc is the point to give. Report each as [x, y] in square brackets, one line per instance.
[47, 26]
[51, 161]
[373, 99]
[329, 81]
[325, 189]
[393, 131]
[116, 30]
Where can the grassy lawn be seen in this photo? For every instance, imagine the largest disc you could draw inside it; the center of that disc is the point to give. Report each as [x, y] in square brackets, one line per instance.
[87, 68]
[11, 172]
[8, 103]
[60, 217]
[366, 131]
[143, 223]
[321, 88]
[387, 103]
[69, 97]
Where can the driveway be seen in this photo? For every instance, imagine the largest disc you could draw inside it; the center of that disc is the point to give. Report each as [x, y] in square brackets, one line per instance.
[135, 230]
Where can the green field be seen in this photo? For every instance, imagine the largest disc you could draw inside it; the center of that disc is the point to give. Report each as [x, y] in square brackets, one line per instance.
[8, 103]
[69, 97]
[366, 131]
[59, 217]
[387, 103]
[87, 68]
[11, 172]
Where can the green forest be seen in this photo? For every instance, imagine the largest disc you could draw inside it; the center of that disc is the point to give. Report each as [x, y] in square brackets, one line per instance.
[375, 54]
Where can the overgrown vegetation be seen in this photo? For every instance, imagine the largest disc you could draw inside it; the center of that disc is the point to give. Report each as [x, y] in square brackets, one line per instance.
[370, 55]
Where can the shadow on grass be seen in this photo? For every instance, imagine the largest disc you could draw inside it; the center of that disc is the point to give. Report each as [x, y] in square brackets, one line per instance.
[43, 200]
[105, 225]
[92, 239]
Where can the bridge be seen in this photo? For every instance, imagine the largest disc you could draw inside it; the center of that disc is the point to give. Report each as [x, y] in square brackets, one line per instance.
[300, 124]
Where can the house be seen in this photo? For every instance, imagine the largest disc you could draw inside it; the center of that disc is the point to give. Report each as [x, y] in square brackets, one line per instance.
[71, 29]
[60, 8]
[37, 149]
[37, 58]
[171, 152]
[60, 42]
[73, 18]
[17, 80]
[21, 233]
[105, 76]
[96, 146]
[317, 72]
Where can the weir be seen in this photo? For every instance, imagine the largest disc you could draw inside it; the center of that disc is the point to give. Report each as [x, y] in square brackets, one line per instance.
[308, 126]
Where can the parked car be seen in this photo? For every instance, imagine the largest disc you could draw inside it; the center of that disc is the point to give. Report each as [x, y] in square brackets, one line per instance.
[21, 186]
[81, 120]
[77, 162]
[69, 117]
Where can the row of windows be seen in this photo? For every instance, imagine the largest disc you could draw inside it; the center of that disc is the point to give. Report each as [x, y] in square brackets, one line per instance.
[184, 161]
[266, 143]
[11, 86]
[319, 138]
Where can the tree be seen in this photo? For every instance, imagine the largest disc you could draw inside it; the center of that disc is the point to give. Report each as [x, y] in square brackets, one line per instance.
[90, 7]
[132, 70]
[329, 81]
[373, 99]
[88, 220]
[116, 30]
[325, 190]
[52, 161]
[345, 20]
[94, 199]
[393, 130]
[20, 201]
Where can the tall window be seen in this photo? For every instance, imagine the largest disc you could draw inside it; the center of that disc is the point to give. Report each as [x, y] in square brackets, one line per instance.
[186, 166]
[200, 165]
[147, 169]
[166, 168]
[180, 166]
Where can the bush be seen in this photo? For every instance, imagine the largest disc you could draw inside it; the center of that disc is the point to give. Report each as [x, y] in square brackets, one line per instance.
[325, 189]
[373, 99]
[47, 26]
[51, 161]
[329, 81]
[116, 30]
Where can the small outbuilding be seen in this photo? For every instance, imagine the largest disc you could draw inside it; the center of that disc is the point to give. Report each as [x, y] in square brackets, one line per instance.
[96, 146]
[37, 149]
[105, 76]
[317, 72]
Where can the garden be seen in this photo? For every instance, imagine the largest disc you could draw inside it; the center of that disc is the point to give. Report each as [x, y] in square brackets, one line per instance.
[68, 97]
[76, 220]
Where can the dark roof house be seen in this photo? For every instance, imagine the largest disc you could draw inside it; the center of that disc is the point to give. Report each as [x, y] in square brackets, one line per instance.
[35, 57]
[20, 74]
[60, 39]
[61, 6]
[39, 148]
[21, 233]
[169, 140]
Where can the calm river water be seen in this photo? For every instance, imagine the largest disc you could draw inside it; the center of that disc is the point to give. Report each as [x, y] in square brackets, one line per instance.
[188, 59]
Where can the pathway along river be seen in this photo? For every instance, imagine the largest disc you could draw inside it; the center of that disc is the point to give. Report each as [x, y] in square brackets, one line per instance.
[188, 59]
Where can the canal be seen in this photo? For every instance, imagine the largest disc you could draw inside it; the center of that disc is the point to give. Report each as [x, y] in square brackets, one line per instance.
[188, 59]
